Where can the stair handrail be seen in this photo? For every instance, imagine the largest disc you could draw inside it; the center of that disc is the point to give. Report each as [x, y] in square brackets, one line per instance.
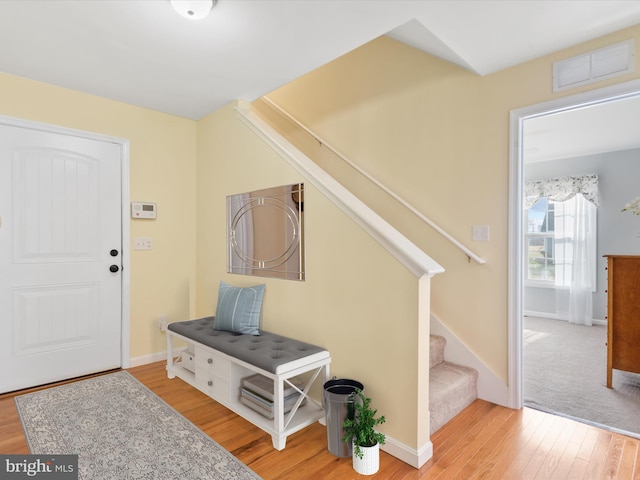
[470, 255]
[409, 254]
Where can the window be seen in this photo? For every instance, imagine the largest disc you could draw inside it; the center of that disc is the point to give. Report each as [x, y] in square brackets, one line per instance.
[540, 244]
[560, 238]
[560, 243]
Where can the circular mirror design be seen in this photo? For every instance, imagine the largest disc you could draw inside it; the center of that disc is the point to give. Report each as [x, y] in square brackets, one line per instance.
[265, 233]
[269, 213]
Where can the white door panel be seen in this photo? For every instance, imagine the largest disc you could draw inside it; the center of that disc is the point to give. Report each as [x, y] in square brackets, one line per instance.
[54, 193]
[60, 305]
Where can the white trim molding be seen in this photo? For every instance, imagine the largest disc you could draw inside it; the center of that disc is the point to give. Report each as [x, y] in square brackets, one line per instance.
[410, 456]
[151, 358]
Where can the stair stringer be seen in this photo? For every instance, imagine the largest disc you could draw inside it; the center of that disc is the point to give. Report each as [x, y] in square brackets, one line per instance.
[490, 387]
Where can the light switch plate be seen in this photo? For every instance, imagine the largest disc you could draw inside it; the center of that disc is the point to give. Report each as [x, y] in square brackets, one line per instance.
[481, 233]
[142, 243]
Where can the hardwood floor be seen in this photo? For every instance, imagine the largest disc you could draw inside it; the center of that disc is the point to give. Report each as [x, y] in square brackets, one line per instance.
[484, 441]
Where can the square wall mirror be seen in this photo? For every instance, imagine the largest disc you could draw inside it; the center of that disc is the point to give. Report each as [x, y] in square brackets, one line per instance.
[265, 232]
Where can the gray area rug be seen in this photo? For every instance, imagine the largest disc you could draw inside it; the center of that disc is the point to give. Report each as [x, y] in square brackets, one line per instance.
[565, 372]
[121, 430]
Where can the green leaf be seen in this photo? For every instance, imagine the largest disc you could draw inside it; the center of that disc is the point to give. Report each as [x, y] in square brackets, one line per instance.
[360, 429]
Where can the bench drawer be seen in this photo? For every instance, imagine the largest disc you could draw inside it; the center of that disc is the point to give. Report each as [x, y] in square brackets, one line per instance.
[215, 365]
[215, 387]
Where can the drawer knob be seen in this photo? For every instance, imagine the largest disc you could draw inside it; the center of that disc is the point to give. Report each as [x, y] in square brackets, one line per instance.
[209, 361]
[210, 383]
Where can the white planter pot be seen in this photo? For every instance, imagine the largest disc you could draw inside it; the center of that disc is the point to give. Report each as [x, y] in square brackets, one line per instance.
[370, 461]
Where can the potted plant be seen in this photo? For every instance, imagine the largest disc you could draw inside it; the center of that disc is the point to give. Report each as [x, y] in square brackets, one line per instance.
[360, 431]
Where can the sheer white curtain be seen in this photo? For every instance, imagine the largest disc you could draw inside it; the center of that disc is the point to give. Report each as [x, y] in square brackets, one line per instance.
[575, 240]
[575, 203]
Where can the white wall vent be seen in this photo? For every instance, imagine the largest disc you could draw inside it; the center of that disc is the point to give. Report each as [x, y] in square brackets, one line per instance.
[594, 66]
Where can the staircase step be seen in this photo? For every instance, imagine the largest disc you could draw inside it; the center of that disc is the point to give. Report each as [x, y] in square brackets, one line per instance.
[452, 387]
[436, 350]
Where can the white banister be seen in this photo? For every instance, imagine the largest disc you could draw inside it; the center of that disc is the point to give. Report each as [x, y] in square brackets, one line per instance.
[470, 255]
[414, 259]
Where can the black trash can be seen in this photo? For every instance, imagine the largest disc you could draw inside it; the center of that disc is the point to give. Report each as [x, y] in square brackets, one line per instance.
[338, 397]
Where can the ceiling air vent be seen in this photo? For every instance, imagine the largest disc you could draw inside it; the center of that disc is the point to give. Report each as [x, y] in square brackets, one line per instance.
[594, 66]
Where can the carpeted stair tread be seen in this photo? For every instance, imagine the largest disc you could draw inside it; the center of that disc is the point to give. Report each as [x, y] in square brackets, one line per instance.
[452, 387]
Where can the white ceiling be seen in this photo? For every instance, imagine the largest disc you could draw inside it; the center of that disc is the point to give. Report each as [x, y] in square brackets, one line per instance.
[600, 128]
[141, 52]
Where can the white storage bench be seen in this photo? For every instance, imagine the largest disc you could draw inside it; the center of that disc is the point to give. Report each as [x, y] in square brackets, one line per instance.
[222, 359]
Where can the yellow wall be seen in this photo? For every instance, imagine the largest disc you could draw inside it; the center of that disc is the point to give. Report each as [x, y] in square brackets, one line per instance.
[438, 136]
[162, 170]
[356, 301]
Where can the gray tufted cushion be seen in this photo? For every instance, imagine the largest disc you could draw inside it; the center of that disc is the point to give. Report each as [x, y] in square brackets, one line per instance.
[266, 351]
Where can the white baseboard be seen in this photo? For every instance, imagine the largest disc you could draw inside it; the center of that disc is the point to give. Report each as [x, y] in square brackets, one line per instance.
[154, 357]
[531, 313]
[490, 387]
[410, 456]
[553, 316]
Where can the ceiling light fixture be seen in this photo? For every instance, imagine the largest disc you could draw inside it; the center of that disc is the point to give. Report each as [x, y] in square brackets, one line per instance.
[193, 9]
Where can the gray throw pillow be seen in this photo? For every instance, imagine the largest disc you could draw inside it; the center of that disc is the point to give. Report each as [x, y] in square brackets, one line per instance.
[239, 309]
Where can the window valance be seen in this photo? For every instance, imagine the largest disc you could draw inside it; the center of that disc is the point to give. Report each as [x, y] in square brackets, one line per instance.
[561, 189]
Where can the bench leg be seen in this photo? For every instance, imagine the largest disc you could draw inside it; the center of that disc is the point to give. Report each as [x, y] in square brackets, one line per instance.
[325, 378]
[278, 411]
[279, 441]
[170, 373]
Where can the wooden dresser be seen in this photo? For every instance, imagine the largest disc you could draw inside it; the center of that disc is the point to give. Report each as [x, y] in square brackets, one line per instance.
[623, 314]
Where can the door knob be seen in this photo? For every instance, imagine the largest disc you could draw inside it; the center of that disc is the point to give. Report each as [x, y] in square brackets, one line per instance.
[113, 253]
[114, 268]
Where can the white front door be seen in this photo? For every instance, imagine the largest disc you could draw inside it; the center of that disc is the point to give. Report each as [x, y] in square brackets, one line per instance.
[60, 239]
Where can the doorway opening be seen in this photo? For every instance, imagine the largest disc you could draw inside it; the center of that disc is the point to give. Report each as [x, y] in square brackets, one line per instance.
[551, 141]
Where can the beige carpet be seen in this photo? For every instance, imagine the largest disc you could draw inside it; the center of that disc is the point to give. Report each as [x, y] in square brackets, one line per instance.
[565, 369]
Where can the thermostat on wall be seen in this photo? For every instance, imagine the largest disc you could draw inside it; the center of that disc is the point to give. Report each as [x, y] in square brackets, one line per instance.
[143, 210]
